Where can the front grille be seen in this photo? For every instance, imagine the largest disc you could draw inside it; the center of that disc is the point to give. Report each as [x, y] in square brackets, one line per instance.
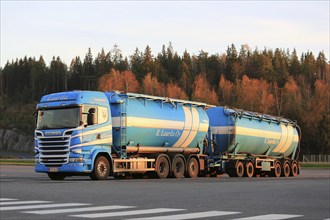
[54, 150]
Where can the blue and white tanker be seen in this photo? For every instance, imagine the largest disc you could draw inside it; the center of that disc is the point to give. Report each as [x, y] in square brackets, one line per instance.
[101, 134]
[250, 143]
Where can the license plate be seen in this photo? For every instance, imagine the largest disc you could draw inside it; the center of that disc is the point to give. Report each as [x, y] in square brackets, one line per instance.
[53, 169]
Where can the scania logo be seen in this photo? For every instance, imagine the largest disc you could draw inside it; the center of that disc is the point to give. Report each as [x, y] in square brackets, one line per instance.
[53, 133]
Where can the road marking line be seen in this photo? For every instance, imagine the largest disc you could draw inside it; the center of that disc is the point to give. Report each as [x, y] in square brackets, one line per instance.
[40, 206]
[269, 217]
[126, 213]
[85, 209]
[22, 202]
[7, 199]
[189, 215]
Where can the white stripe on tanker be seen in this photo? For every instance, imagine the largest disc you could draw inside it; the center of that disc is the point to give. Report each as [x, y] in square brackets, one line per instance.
[187, 127]
[283, 139]
[148, 123]
[194, 129]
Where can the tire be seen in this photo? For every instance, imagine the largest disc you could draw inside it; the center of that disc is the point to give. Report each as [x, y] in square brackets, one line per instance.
[178, 167]
[232, 172]
[239, 169]
[193, 168]
[249, 169]
[56, 176]
[277, 170]
[231, 168]
[162, 167]
[294, 169]
[286, 169]
[101, 169]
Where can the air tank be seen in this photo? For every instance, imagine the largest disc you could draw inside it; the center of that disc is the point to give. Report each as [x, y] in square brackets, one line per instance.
[239, 131]
[150, 124]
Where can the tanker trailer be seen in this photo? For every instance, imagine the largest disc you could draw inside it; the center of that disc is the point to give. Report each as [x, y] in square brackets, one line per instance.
[158, 134]
[250, 143]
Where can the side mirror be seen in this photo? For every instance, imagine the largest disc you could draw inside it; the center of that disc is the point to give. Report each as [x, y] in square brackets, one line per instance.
[91, 116]
[35, 114]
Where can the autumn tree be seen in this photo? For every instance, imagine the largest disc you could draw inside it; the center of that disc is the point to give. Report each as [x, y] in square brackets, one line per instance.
[124, 81]
[266, 98]
[174, 91]
[225, 91]
[291, 99]
[254, 95]
[202, 91]
[151, 86]
[130, 83]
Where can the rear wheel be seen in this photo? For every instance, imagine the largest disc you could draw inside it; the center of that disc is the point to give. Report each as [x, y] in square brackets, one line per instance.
[294, 169]
[178, 167]
[101, 169]
[162, 167]
[193, 168]
[277, 170]
[286, 169]
[249, 169]
[239, 169]
[56, 176]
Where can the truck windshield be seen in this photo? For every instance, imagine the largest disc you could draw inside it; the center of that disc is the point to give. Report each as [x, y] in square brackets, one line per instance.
[58, 118]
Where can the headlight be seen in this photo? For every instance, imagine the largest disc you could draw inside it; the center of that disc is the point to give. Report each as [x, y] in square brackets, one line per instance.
[77, 151]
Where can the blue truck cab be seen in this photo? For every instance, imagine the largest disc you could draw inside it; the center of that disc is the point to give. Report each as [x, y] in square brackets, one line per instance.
[73, 130]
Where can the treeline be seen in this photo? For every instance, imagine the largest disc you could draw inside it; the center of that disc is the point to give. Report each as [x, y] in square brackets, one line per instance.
[277, 82]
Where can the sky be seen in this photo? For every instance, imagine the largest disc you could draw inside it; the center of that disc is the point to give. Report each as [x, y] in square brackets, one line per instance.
[68, 28]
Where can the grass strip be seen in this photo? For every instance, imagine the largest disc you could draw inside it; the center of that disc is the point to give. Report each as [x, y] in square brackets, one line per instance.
[315, 165]
[22, 162]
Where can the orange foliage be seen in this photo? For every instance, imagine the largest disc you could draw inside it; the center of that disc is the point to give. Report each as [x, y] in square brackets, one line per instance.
[291, 97]
[320, 102]
[130, 82]
[119, 81]
[254, 95]
[152, 86]
[267, 100]
[202, 91]
[174, 91]
[225, 90]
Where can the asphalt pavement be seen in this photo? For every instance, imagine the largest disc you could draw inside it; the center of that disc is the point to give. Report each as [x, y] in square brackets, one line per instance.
[29, 195]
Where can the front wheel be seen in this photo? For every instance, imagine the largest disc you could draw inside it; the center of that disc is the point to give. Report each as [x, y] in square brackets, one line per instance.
[101, 169]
